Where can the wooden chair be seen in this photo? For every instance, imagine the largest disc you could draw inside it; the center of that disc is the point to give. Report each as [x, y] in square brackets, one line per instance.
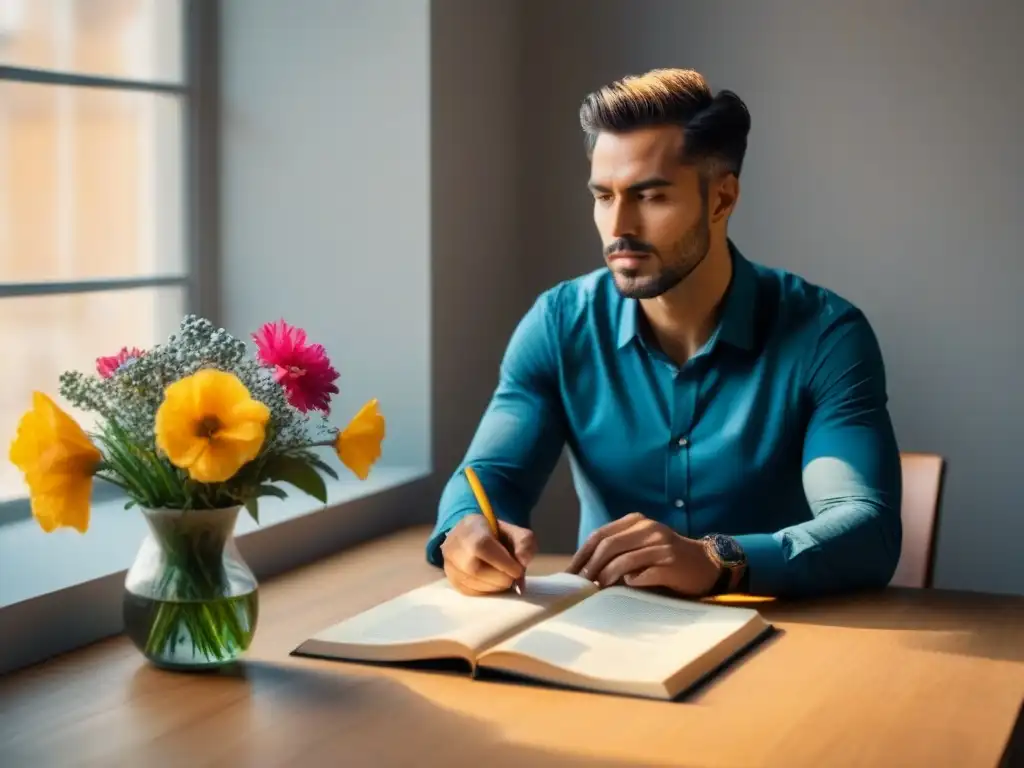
[923, 476]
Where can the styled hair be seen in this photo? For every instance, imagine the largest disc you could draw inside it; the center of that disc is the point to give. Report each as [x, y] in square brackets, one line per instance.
[715, 126]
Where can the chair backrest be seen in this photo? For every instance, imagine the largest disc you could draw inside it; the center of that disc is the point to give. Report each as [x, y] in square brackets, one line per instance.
[923, 475]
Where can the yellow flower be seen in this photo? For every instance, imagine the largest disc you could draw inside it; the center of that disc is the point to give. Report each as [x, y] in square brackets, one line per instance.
[358, 445]
[58, 461]
[210, 425]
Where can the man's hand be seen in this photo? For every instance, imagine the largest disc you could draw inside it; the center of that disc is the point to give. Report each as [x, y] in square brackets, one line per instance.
[476, 563]
[644, 553]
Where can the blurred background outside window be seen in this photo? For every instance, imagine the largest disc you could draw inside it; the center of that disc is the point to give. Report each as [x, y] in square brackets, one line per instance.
[93, 236]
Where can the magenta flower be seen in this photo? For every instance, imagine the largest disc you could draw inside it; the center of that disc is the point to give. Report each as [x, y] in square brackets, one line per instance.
[303, 370]
[108, 366]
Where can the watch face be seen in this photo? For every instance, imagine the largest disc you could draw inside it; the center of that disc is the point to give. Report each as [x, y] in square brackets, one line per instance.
[727, 548]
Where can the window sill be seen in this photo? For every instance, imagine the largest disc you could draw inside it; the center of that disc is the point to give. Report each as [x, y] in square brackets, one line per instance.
[61, 590]
[34, 563]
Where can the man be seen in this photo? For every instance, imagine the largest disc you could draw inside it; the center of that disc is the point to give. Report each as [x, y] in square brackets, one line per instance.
[727, 423]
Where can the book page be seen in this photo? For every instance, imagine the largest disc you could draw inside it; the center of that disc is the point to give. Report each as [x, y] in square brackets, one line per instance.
[627, 634]
[438, 611]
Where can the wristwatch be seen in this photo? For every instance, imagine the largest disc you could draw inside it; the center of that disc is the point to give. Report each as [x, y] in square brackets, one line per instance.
[731, 560]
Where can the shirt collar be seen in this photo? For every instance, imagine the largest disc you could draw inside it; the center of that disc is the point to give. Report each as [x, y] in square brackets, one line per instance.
[737, 324]
[628, 310]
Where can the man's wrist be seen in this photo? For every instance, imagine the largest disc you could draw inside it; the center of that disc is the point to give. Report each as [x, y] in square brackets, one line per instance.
[740, 579]
[726, 553]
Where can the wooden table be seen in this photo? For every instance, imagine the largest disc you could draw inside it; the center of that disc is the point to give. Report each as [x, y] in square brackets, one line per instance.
[903, 678]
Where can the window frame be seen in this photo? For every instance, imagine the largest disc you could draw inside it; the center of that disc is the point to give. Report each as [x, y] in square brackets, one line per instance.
[200, 109]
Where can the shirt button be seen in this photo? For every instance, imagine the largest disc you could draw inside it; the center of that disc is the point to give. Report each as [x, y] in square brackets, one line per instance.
[680, 503]
[681, 442]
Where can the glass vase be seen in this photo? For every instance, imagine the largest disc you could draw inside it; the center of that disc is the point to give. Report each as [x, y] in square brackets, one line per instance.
[190, 600]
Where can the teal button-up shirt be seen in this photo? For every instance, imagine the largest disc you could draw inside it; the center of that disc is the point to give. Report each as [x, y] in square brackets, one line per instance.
[776, 432]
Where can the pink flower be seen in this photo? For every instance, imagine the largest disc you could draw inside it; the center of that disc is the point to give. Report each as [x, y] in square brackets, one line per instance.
[108, 366]
[302, 369]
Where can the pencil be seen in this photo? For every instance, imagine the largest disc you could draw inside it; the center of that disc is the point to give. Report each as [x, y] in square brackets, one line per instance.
[481, 499]
[485, 506]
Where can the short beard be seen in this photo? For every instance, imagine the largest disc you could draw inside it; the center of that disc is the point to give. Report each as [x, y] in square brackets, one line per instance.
[686, 256]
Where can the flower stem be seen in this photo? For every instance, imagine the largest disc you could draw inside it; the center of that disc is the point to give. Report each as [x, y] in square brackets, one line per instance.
[192, 603]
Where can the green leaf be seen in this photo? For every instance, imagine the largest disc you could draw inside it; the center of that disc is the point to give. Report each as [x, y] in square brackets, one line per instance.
[135, 460]
[253, 507]
[324, 467]
[160, 483]
[128, 469]
[129, 505]
[299, 473]
[172, 486]
[271, 490]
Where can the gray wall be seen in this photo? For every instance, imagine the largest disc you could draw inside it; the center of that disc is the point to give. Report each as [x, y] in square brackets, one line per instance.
[326, 199]
[884, 162]
[478, 270]
[370, 193]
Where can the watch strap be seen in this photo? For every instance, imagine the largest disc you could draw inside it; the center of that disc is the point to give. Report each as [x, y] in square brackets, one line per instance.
[744, 585]
[721, 586]
[732, 575]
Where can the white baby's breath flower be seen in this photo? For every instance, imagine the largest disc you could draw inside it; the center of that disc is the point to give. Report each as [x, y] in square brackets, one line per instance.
[132, 395]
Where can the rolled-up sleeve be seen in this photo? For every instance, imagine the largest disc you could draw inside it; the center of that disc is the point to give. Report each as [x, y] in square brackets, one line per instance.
[851, 475]
[521, 434]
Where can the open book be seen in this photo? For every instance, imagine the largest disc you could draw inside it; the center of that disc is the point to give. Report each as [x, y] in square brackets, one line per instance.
[561, 631]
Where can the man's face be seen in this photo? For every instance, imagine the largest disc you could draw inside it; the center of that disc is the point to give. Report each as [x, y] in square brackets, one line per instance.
[649, 209]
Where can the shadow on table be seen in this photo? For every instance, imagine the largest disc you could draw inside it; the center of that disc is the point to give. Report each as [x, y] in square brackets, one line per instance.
[275, 714]
[962, 623]
[1013, 755]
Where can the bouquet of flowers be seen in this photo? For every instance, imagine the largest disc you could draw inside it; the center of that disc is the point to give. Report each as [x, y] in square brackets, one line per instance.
[193, 425]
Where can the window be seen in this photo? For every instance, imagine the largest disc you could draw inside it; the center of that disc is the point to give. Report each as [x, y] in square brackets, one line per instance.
[97, 244]
[112, 224]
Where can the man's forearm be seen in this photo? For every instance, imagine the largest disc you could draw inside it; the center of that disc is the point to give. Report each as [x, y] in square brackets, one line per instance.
[851, 477]
[519, 438]
[853, 545]
[457, 501]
